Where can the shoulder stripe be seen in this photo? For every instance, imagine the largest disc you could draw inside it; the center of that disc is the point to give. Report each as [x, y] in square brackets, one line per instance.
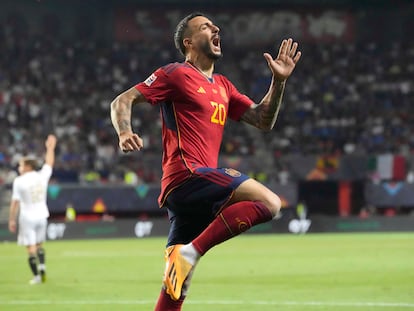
[172, 67]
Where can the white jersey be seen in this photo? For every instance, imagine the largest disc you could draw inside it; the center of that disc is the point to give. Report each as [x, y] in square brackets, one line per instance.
[30, 189]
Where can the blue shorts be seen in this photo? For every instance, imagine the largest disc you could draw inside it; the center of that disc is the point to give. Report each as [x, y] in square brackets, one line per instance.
[193, 205]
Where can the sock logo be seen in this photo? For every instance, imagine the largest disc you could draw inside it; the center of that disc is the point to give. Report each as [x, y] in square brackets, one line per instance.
[243, 226]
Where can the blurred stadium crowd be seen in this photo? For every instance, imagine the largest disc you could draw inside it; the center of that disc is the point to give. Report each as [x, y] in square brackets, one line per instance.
[344, 98]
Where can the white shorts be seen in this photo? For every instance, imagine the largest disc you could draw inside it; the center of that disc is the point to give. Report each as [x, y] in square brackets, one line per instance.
[32, 232]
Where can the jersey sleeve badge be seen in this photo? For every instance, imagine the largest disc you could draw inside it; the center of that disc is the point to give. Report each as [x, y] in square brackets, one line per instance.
[150, 80]
[232, 172]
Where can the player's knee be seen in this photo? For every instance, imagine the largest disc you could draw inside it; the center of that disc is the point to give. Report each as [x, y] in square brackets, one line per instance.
[274, 204]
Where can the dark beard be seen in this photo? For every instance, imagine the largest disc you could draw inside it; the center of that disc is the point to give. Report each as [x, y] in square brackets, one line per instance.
[209, 53]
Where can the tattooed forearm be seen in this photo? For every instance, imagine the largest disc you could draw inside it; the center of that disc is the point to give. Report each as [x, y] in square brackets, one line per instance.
[121, 109]
[264, 114]
[269, 111]
[252, 117]
[121, 115]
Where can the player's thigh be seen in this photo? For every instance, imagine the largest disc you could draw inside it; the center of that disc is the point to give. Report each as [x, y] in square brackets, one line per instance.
[27, 233]
[205, 193]
[40, 229]
[252, 190]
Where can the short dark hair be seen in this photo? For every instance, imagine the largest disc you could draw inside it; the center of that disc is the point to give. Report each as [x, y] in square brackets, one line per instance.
[29, 161]
[180, 31]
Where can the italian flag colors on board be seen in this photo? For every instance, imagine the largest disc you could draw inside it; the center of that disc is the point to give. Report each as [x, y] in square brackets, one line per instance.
[388, 166]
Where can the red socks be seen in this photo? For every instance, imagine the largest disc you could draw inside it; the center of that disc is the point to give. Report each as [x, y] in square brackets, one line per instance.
[165, 303]
[234, 220]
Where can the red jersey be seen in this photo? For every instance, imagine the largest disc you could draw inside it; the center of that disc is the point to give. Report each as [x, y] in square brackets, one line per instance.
[194, 110]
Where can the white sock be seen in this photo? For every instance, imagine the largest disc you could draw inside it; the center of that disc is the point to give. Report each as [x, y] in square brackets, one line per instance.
[42, 267]
[190, 253]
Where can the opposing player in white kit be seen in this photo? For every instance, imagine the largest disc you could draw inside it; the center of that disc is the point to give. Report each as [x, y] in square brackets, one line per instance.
[29, 199]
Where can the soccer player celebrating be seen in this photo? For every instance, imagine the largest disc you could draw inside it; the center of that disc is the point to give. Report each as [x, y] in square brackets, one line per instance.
[206, 205]
[29, 195]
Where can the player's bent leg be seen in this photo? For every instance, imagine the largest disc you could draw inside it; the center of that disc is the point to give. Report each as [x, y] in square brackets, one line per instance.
[252, 190]
[232, 221]
[251, 204]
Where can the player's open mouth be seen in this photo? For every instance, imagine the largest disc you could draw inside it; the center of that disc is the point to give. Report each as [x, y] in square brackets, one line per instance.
[216, 42]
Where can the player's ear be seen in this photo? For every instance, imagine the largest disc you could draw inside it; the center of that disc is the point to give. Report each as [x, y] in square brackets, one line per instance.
[187, 42]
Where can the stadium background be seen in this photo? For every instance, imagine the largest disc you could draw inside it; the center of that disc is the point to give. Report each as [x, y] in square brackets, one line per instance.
[341, 153]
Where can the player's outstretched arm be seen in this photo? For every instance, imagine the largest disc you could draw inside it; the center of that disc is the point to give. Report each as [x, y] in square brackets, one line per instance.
[121, 108]
[264, 114]
[50, 145]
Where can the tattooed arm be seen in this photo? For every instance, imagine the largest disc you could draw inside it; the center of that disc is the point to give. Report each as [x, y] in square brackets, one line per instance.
[264, 114]
[121, 108]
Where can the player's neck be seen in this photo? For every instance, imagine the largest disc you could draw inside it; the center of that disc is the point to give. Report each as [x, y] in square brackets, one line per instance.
[205, 66]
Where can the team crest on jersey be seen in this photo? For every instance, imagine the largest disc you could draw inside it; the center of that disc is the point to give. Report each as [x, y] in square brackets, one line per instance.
[150, 79]
[232, 172]
[223, 94]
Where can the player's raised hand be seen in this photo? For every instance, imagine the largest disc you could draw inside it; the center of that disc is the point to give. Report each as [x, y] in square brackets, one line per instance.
[129, 141]
[282, 66]
[51, 141]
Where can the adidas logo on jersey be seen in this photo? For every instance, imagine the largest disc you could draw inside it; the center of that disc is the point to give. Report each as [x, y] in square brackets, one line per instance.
[201, 90]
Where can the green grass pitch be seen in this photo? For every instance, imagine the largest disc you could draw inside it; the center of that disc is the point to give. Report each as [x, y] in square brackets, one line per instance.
[356, 272]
